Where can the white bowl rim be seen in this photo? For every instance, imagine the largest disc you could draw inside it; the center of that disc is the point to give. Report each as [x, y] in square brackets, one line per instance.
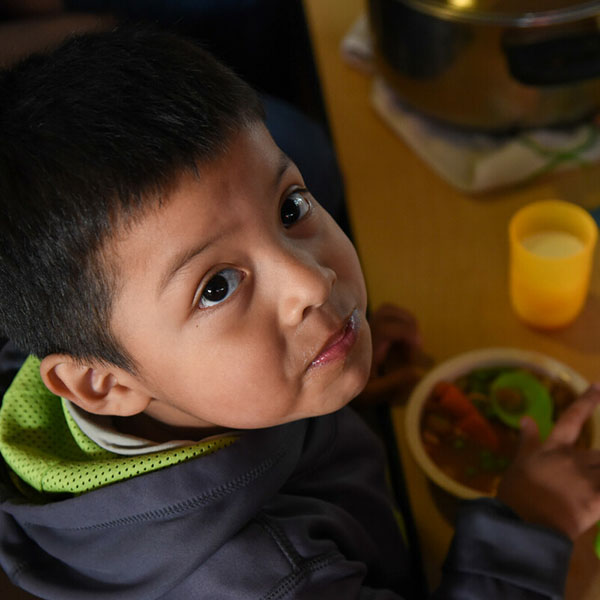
[463, 363]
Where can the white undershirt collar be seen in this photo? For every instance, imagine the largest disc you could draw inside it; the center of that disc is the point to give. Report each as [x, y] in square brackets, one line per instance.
[101, 430]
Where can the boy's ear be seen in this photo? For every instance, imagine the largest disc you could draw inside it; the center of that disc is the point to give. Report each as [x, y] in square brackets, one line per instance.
[98, 389]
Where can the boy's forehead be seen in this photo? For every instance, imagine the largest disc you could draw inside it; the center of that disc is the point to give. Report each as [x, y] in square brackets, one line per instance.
[199, 206]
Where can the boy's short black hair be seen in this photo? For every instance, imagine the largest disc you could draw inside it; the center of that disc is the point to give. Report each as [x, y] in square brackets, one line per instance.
[91, 134]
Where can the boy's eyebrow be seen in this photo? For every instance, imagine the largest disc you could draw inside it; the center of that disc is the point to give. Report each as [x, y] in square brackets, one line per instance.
[183, 258]
[179, 261]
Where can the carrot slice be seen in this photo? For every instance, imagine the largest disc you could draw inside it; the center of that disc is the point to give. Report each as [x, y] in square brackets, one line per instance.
[452, 400]
[455, 402]
[476, 427]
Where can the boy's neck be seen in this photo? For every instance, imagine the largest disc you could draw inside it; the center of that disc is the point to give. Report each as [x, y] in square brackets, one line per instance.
[144, 426]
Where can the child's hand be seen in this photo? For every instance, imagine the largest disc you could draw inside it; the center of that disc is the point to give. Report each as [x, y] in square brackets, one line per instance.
[396, 348]
[553, 483]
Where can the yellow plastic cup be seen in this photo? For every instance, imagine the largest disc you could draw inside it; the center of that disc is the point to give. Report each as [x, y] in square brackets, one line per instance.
[551, 254]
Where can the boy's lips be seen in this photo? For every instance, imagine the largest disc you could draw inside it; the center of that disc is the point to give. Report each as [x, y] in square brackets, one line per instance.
[340, 343]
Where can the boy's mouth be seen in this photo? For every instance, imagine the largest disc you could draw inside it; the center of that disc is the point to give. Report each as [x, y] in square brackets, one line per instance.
[339, 344]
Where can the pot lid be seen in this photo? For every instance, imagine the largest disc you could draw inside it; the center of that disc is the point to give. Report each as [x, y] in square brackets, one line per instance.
[519, 13]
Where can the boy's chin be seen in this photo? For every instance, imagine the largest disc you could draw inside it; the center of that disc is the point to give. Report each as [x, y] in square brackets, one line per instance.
[354, 389]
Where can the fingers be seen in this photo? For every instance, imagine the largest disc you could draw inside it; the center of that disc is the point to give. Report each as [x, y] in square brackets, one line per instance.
[392, 325]
[381, 347]
[397, 323]
[388, 310]
[568, 427]
[530, 437]
[378, 388]
[591, 460]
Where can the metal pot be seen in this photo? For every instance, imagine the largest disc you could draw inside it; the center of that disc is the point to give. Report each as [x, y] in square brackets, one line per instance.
[491, 65]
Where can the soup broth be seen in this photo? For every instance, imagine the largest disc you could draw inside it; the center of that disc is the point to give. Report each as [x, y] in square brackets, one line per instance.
[464, 438]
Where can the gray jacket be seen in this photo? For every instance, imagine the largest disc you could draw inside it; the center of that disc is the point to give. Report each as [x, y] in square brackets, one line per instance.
[296, 511]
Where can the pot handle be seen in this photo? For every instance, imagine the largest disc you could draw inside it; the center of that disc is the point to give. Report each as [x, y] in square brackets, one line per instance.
[555, 61]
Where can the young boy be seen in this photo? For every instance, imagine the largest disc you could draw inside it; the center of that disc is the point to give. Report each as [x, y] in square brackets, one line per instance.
[203, 320]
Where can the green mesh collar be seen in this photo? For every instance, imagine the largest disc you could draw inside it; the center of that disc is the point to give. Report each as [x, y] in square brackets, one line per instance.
[44, 447]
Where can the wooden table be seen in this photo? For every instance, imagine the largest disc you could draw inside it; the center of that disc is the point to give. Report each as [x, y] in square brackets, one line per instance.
[442, 254]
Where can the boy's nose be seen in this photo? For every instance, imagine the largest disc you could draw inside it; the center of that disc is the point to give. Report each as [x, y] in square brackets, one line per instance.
[304, 284]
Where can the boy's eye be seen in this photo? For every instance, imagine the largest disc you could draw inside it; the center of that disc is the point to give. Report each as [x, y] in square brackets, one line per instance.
[220, 287]
[294, 207]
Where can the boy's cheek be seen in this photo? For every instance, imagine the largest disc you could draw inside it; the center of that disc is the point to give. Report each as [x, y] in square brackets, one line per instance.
[349, 268]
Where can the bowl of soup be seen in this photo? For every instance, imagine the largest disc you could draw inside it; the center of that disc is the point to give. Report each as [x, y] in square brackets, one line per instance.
[453, 431]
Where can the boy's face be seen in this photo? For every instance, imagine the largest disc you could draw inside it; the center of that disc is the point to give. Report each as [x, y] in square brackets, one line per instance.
[240, 299]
